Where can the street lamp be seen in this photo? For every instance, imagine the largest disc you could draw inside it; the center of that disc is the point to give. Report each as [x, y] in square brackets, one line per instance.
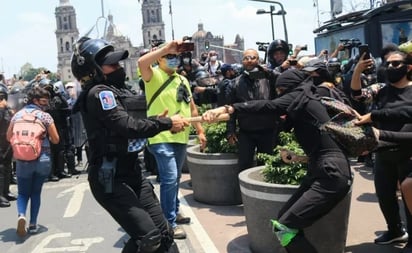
[262, 11]
[281, 12]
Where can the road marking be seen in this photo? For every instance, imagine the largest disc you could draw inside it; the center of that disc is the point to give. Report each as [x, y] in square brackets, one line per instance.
[205, 242]
[82, 244]
[76, 200]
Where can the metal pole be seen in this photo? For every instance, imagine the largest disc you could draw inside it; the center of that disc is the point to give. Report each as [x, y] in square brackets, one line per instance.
[283, 14]
[171, 19]
[272, 9]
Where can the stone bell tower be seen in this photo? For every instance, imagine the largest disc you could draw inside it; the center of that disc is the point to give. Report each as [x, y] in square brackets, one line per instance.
[153, 27]
[66, 35]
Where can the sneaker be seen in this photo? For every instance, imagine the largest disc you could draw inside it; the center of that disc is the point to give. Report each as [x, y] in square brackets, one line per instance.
[21, 226]
[179, 233]
[33, 229]
[389, 237]
[180, 219]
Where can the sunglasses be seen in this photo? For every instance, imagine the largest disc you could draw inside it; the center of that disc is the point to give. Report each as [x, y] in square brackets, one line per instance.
[169, 56]
[249, 58]
[394, 64]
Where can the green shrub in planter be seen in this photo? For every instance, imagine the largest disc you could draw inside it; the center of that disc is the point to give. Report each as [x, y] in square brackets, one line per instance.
[278, 172]
[216, 139]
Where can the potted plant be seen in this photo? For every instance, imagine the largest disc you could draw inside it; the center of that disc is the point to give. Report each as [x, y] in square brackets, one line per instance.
[265, 189]
[214, 171]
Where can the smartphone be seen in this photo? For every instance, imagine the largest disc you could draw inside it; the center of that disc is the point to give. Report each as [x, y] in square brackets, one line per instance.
[364, 49]
[186, 47]
[293, 62]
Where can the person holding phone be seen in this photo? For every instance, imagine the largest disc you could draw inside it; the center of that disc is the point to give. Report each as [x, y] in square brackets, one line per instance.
[393, 165]
[169, 149]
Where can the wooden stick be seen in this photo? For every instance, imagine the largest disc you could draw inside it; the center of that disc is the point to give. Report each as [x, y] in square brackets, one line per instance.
[221, 117]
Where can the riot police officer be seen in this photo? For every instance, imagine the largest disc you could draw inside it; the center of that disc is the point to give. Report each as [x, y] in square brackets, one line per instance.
[5, 151]
[115, 177]
[61, 153]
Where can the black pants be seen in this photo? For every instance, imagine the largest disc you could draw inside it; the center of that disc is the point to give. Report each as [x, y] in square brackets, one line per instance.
[391, 167]
[251, 143]
[134, 205]
[5, 177]
[328, 182]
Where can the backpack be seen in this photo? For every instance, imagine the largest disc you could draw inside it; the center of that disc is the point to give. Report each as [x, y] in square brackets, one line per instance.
[354, 139]
[28, 135]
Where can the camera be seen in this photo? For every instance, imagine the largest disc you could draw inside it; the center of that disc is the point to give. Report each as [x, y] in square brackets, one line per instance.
[293, 62]
[304, 48]
[350, 43]
[183, 94]
[262, 46]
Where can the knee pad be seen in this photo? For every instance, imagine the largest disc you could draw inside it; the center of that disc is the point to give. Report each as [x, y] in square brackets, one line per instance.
[150, 242]
[283, 233]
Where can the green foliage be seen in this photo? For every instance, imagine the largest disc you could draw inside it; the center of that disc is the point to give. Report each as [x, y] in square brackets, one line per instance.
[278, 172]
[216, 139]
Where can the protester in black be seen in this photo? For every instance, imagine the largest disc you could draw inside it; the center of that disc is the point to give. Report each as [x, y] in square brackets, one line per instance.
[328, 178]
[393, 165]
[113, 130]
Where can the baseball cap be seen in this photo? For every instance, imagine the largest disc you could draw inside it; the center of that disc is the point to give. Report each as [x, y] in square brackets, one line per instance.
[314, 65]
[114, 57]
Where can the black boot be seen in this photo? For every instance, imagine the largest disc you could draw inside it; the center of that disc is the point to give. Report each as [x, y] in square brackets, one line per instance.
[7, 180]
[4, 202]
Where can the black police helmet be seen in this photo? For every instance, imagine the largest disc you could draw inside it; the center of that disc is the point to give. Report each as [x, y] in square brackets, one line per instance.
[202, 77]
[16, 89]
[86, 53]
[277, 45]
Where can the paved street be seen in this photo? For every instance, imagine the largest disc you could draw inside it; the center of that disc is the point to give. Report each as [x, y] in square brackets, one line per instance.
[72, 221]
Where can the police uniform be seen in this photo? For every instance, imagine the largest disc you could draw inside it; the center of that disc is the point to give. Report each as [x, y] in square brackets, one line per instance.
[113, 133]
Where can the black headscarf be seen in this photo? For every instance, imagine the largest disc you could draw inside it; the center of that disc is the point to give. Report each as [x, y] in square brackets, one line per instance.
[297, 80]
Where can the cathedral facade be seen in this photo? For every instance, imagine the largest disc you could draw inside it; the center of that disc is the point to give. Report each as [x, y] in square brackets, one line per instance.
[152, 30]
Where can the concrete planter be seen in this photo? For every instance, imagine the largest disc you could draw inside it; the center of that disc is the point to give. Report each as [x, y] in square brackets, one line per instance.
[192, 141]
[262, 202]
[214, 177]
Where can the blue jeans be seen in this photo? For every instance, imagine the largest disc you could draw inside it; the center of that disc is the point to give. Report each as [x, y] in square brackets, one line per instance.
[30, 178]
[169, 158]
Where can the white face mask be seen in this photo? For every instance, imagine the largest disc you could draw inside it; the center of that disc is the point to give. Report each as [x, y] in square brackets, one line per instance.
[186, 61]
[213, 58]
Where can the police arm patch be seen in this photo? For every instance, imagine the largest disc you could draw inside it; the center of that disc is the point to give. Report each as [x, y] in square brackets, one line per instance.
[107, 100]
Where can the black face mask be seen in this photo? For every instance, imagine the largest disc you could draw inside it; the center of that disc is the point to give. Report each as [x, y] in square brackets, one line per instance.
[117, 78]
[394, 75]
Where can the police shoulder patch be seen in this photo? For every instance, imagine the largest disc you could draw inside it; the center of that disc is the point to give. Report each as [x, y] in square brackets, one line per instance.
[107, 100]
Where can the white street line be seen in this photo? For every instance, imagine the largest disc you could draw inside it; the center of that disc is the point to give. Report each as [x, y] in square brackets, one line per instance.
[205, 242]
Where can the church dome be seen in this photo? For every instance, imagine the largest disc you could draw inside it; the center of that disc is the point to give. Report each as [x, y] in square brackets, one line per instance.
[201, 33]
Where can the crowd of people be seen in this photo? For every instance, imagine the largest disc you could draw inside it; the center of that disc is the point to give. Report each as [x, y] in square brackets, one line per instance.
[98, 112]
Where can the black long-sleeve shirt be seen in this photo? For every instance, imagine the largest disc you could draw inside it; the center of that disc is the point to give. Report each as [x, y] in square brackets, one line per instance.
[403, 114]
[303, 121]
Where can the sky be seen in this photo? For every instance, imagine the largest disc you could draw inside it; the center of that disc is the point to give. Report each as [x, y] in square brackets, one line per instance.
[28, 27]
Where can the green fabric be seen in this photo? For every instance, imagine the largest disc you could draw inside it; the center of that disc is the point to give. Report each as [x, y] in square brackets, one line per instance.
[167, 100]
[283, 233]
